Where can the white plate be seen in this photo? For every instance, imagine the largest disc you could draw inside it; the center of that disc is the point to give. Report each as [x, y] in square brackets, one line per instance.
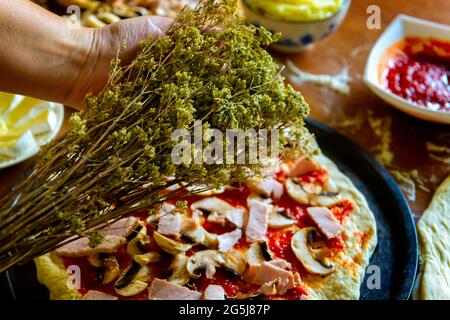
[41, 139]
[401, 27]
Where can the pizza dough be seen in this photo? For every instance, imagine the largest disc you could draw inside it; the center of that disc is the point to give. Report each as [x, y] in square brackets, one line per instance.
[433, 282]
[345, 282]
[359, 234]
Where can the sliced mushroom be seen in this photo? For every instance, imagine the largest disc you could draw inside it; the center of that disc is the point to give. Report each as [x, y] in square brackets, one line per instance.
[278, 219]
[235, 261]
[302, 245]
[207, 260]
[137, 244]
[107, 265]
[169, 245]
[309, 187]
[96, 260]
[308, 193]
[267, 254]
[212, 204]
[133, 280]
[330, 186]
[296, 192]
[180, 274]
[146, 258]
[258, 253]
[325, 199]
[254, 254]
[200, 236]
[111, 270]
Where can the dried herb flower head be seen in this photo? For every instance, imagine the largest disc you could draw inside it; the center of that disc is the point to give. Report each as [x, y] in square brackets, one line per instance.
[117, 157]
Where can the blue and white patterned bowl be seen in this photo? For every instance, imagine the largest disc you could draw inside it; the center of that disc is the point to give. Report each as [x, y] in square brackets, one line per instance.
[296, 36]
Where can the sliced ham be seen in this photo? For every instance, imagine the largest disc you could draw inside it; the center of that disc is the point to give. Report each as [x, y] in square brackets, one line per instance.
[234, 217]
[325, 220]
[98, 295]
[272, 278]
[81, 248]
[218, 218]
[280, 263]
[165, 290]
[170, 225]
[214, 292]
[301, 167]
[166, 208]
[268, 187]
[121, 228]
[228, 240]
[258, 221]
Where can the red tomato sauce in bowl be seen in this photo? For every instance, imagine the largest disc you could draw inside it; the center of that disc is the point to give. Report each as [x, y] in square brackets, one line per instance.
[418, 70]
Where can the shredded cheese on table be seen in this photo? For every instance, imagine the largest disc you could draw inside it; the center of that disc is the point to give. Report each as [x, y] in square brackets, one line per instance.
[338, 82]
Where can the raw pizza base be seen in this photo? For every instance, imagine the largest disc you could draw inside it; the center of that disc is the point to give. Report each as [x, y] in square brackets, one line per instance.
[433, 282]
[343, 284]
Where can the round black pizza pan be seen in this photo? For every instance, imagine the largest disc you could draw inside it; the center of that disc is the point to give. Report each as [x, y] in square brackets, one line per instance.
[393, 266]
[394, 262]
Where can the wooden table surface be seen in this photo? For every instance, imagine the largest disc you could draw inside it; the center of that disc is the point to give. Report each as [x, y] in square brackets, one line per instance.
[349, 46]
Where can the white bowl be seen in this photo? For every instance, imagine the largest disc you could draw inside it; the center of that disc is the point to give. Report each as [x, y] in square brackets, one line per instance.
[295, 36]
[401, 27]
[11, 101]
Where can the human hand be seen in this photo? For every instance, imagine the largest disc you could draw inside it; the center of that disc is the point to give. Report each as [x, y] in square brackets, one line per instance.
[104, 44]
[44, 56]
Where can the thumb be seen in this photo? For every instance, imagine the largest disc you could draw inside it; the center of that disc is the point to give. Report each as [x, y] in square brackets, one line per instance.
[133, 31]
[106, 42]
